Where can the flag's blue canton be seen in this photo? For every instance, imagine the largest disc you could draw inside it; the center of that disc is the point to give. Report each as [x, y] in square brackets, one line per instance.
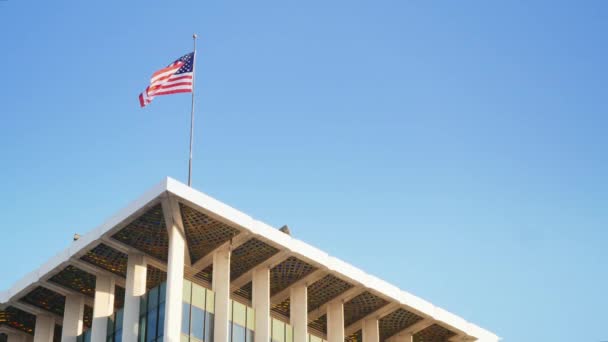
[188, 63]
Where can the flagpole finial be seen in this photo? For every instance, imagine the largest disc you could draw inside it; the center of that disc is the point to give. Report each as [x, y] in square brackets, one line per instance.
[194, 36]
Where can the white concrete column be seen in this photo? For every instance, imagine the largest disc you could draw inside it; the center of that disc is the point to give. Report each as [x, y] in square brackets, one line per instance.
[103, 307]
[221, 287]
[175, 271]
[261, 303]
[135, 288]
[45, 328]
[370, 330]
[335, 322]
[404, 337]
[299, 312]
[72, 317]
[15, 337]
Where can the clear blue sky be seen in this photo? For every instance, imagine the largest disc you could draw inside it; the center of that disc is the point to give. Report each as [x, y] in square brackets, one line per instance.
[457, 149]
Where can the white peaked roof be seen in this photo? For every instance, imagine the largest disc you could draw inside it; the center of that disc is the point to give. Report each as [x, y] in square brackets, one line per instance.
[220, 211]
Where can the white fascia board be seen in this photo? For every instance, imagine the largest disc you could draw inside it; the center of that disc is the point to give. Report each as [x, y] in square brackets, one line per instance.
[317, 256]
[3, 297]
[82, 244]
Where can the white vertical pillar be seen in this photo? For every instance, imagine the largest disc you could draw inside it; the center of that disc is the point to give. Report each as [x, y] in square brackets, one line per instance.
[261, 303]
[404, 337]
[72, 318]
[175, 270]
[14, 337]
[370, 330]
[221, 287]
[299, 312]
[45, 328]
[103, 307]
[135, 288]
[335, 322]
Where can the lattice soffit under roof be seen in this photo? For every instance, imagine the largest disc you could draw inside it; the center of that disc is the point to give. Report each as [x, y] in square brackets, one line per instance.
[119, 297]
[287, 273]
[107, 258]
[147, 233]
[206, 274]
[245, 292]
[395, 322]
[319, 324]
[326, 289]
[46, 299]
[355, 337]
[361, 306]
[248, 255]
[434, 333]
[154, 277]
[18, 319]
[87, 317]
[203, 233]
[282, 308]
[76, 279]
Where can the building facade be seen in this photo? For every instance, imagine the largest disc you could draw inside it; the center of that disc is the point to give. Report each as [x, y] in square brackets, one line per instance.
[179, 266]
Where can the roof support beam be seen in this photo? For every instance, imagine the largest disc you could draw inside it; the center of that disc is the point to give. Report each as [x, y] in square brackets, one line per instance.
[417, 327]
[18, 335]
[269, 263]
[207, 260]
[34, 310]
[383, 311]
[306, 281]
[64, 291]
[119, 246]
[462, 338]
[97, 271]
[344, 297]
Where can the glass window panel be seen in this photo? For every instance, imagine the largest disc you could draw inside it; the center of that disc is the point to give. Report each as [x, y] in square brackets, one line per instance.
[278, 331]
[161, 320]
[163, 292]
[143, 301]
[210, 303]
[118, 317]
[238, 333]
[198, 323]
[314, 338]
[187, 291]
[142, 329]
[153, 298]
[209, 319]
[110, 325]
[184, 338]
[239, 314]
[288, 333]
[198, 296]
[185, 318]
[250, 335]
[250, 319]
[152, 323]
[118, 336]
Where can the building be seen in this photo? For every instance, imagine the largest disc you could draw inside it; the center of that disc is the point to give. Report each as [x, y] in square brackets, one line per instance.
[177, 265]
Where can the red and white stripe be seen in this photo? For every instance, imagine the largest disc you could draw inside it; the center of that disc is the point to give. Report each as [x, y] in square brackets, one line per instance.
[166, 82]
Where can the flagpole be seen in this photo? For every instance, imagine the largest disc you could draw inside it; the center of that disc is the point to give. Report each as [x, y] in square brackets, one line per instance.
[192, 113]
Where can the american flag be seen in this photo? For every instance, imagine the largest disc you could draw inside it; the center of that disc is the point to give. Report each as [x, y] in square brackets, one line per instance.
[175, 78]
